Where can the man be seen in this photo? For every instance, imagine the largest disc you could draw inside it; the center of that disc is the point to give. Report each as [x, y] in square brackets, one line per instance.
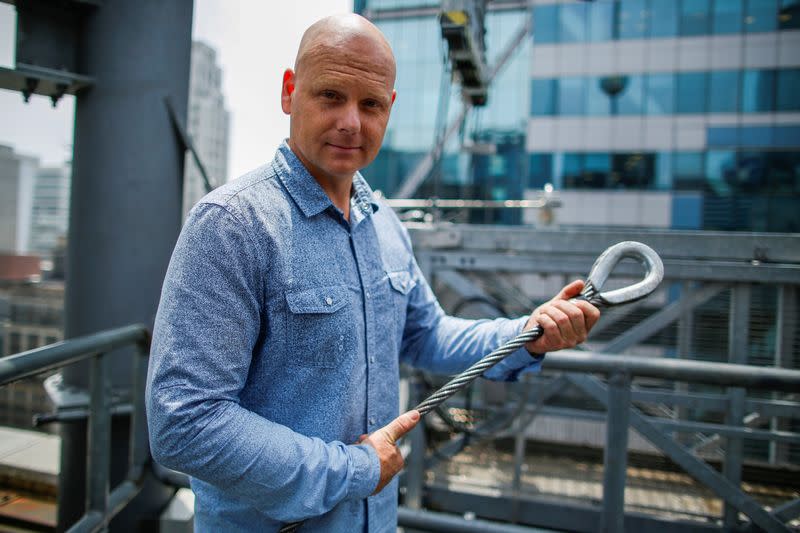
[291, 298]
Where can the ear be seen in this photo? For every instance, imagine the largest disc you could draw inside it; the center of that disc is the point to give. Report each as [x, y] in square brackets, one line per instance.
[287, 89]
[394, 95]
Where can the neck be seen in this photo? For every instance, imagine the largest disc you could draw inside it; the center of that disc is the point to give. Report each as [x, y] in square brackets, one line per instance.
[338, 190]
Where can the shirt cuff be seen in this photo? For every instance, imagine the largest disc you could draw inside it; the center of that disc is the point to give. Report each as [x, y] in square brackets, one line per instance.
[517, 363]
[366, 471]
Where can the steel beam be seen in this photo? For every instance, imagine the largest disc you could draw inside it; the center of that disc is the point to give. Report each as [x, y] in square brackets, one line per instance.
[125, 206]
[615, 455]
[693, 466]
[738, 338]
[755, 249]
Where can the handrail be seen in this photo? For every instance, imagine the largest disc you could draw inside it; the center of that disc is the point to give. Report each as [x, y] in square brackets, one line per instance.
[723, 374]
[39, 360]
[102, 504]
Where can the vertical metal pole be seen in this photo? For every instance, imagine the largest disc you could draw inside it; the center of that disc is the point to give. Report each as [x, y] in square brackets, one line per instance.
[615, 461]
[98, 466]
[125, 206]
[519, 461]
[685, 331]
[738, 339]
[785, 326]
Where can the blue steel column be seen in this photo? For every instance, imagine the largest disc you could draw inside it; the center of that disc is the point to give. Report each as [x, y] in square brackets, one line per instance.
[738, 338]
[125, 206]
[615, 461]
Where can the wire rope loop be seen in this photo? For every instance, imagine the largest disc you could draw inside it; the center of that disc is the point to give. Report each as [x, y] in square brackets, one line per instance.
[608, 260]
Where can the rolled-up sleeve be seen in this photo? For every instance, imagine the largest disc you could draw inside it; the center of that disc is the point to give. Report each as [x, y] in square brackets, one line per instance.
[207, 325]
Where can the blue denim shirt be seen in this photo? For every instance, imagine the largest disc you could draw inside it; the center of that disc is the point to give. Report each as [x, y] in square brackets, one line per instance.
[277, 343]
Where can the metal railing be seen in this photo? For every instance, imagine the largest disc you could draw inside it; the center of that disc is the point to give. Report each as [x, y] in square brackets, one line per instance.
[102, 503]
[483, 265]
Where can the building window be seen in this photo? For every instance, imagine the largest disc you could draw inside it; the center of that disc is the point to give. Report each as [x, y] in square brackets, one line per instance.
[545, 24]
[761, 15]
[632, 170]
[788, 97]
[789, 15]
[691, 92]
[33, 341]
[632, 22]
[631, 100]
[720, 170]
[600, 18]
[541, 170]
[727, 16]
[598, 102]
[723, 91]
[660, 94]
[543, 97]
[571, 96]
[688, 170]
[694, 17]
[572, 23]
[596, 170]
[758, 91]
[663, 18]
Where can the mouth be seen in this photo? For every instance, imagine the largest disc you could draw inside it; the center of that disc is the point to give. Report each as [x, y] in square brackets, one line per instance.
[344, 147]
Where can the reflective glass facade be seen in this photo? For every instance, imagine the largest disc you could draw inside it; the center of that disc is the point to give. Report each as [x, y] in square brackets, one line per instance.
[603, 20]
[728, 136]
[720, 91]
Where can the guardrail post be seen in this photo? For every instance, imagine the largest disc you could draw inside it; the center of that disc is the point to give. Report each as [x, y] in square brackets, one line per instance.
[738, 338]
[785, 333]
[615, 461]
[98, 465]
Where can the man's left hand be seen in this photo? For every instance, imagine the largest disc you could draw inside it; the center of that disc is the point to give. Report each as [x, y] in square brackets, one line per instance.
[565, 323]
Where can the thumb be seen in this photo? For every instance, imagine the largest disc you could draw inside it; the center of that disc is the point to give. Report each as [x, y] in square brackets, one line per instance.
[401, 425]
[570, 291]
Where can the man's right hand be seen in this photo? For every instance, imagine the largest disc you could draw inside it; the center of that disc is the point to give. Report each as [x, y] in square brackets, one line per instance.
[384, 441]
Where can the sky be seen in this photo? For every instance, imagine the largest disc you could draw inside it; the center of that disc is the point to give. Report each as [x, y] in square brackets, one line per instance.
[255, 42]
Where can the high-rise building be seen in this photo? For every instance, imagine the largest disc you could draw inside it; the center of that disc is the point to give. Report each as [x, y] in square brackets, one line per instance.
[208, 125]
[682, 113]
[17, 177]
[50, 213]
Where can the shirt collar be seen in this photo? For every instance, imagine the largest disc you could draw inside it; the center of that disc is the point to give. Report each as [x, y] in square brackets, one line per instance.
[306, 191]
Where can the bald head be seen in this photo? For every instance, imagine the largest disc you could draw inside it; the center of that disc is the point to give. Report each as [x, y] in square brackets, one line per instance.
[340, 34]
[339, 97]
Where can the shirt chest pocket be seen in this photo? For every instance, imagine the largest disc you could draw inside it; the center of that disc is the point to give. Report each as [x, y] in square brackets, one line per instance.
[319, 328]
[401, 283]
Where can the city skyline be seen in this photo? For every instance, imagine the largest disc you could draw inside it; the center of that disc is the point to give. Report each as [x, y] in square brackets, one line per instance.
[241, 35]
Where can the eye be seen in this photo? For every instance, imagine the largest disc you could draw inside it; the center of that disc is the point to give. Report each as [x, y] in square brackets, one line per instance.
[373, 104]
[328, 94]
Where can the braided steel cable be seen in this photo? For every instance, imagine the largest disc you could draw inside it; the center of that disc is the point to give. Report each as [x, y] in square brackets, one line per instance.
[473, 372]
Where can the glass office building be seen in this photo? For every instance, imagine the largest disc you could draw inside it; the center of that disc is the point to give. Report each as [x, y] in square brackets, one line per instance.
[692, 105]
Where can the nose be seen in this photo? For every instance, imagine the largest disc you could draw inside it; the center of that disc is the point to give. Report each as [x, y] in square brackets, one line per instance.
[349, 120]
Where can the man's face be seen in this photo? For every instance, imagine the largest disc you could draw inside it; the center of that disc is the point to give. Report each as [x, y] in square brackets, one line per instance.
[339, 102]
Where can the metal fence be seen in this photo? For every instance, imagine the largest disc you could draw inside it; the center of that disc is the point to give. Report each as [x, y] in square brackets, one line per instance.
[725, 318]
[103, 502]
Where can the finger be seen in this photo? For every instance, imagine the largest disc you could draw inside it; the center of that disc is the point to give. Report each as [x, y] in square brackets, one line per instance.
[571, 290]
[550, 335]
[591, 313]
[401, 425]
[565, 330]
[575, 315]
[362, 438]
